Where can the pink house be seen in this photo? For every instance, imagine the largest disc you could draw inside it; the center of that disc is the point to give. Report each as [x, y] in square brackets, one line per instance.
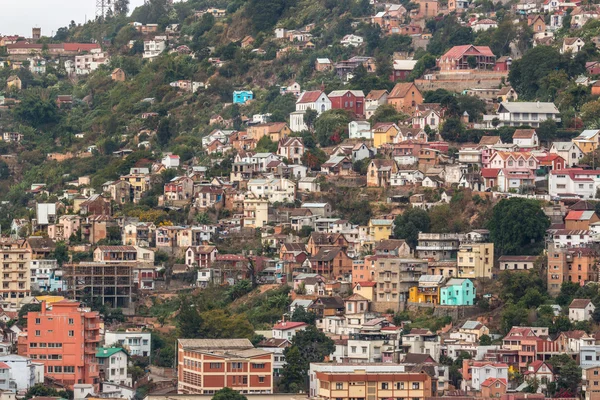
[513, 160]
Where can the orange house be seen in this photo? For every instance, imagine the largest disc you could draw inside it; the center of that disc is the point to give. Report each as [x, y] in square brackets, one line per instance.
[405, 97]
[493, 388]
[580, 219]
[64, 338]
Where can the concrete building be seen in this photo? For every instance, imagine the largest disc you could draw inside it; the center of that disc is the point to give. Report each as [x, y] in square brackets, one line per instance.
[64, 338]
[576, 264]
[112, 362]
[438, 246]
[382, 381]
[15, 280]
[475, 260]
[394, 278]
[21, 373]
[136, 342]
[205, 366]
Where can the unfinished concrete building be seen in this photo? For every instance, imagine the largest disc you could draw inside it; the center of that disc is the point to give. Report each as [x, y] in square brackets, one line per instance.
[112, 284]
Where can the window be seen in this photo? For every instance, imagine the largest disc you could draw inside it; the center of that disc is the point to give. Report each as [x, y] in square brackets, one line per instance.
[399, 385]
[258, 366]
[71, 321]
[71, 333]
[261, 379]
[339, 385]
[415, 385]
[37, 321]
[215, 365]
[38, 333]
[384, 386]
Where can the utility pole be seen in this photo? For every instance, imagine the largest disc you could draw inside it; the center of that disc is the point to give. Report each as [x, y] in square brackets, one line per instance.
[103, 7]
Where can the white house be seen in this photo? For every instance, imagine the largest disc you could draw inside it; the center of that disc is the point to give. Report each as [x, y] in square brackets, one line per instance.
[523, 113]
[360, 130]
[287, 330]
[88, 63]
[136, 342]
[316, 100]
[407, 177]
[153, 48]
[351, 41]
[581, 310]
[526, 138]
[23, 371]
[275, 190]
[572, 45]
[113, 361]
[309, 184]
[479, 373]
[484, 25]
[170, 161]
[569, 151]
[573, 183]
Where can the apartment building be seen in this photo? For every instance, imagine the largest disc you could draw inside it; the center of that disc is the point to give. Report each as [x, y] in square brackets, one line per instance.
[438, 246]
[123, 254]
[205, 366]
[394, 278]
[43, 274]
[64, 338]
[15, 280]
[576, 264]
[380, 381]
[591, 382]
[136, 342]
[475, 260]
[112, 363]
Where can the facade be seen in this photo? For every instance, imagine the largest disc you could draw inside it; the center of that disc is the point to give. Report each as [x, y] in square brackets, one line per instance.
[382, 381]
[438, 246]
[349, 100]
[15, 279]
[394, 278]
[581, 310]
[570, 265]
[516, 263]
[460, 58]
[405, 97]
[67, 347]
[205, 366]
[475, 260]
[136, 342]
[523, 113]
[112, 362]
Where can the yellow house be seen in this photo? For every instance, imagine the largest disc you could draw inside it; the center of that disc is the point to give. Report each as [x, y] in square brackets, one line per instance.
[140, 183]
[13, 82]
[380, 229]
[256, 212]
[365, 289]
[428, 289]
[475, 260]
[275, 130]
[588, 140]
[384, 132]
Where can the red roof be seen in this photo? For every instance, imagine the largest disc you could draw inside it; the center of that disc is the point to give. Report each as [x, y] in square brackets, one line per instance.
[583, 215]
[310, 97]
[366, 284]
[4, 366]
[490, 381]
[80, 46]
[284, 326]
[490, 172]
[468, 49]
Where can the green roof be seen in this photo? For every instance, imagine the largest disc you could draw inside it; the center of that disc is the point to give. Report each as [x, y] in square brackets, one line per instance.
[105, 352]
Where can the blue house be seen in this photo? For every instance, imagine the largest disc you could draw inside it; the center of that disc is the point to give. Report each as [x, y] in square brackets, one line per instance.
[242, 96]
[458, 292]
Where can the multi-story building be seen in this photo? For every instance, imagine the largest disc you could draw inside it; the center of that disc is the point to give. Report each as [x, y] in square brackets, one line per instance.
[88, 63]
[458, 292]
[394, 278]
[381, 381]
[112, 363]
[277, 347]
[476, 372]
[42, 273]
[256, 212]
[111, 283]
[428, 289]
[475, 260]
[438, 246]
[591, 382]
[20, 373]
[576, 264]
[136, 342]
[15, 279]
[370, 347]
[205, 366]
[119, 254]
[64, 338]
[139, 234]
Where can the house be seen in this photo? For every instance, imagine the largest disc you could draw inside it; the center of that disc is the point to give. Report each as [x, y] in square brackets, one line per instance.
[428, 289]
[337, 166]
[483, 25]
[587, 140]
[569, 151]
[13, 82]
[572, 45]
[276, 131]
[380, 171]
[523, 113]
[170, 161]
[242, 96]
[458, 292]
[316, 100]
[351, 41]
[401, 69]
[383, 133]
[323, 64]
[349, 100]
[407, 177]
[291, 148]
[536, 22]
[200, 256]
[374, 99]
[287, 330]
[380, 229]
[467, 57]
[405, 97]
[359, 130]
[581, 310]
[516, 263]
[525, 138]
[393, 247]
[428, 115]
[331, 262]
[580, 220]
[118, 75]
[247, 41]
[493, 388]
[113, 364]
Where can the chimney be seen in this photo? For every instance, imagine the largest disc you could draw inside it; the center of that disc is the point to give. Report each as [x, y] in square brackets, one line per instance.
[43, 307]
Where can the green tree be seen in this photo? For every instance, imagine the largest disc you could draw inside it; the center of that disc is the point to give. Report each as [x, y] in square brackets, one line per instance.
[568, 371]
[228, 394]
[300, 314]
[408, 225]
[188, 320]
[485, 340]
[332, 127]
[36, 110]
[517, 225]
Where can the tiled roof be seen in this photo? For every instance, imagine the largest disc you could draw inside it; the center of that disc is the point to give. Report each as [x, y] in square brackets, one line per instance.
[402, 89]
[579, 303]
[284, 326]
[458, 51]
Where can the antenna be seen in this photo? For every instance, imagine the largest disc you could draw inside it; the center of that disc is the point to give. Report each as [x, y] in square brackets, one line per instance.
[103, 7]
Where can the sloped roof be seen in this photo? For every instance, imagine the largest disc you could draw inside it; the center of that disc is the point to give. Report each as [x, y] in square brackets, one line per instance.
[490, 140]
[579, 303]
[284, 326]
[310, 96]
[376, 94]
[523, 133]
[579, 215]
[402, 89]
[458, 51]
